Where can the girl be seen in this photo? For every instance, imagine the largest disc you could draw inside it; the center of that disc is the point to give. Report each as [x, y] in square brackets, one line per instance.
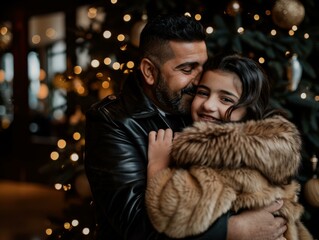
[239, 154]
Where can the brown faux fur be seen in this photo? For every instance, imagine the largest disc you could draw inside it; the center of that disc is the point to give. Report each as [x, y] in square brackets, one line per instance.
[225, 167]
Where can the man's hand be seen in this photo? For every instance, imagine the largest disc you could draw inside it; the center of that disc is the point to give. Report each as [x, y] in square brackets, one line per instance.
[257, 224]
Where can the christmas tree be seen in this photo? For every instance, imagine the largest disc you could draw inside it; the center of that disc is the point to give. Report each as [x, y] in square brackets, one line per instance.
[282, 35]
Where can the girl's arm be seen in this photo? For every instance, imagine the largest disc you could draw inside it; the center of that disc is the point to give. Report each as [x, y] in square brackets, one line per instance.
[159, 148]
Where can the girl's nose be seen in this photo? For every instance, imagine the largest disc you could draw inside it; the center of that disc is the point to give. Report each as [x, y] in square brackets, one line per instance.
[210, 105]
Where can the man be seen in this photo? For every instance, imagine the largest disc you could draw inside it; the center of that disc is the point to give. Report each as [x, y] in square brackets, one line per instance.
[173, 51]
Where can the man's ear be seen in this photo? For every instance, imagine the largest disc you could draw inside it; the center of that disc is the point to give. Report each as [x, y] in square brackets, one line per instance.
[148, 70]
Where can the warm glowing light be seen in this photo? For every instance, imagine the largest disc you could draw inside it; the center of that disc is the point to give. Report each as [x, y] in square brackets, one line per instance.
[99, 75]
[42, 74]
[294, 28]
[261, 60]
[240, 30]
[107, 61]
[80, 90]
[256, 17]
[317, 98]
[43, 91]
[291, 32]
[144, 17]
[95, 63]
[54, 155]
[105, 84]
[209, 30]
[273, 32]
[67, 225]
[48, 231]
[77, 69]
[303, 95]
[58, 186]
[75, 222]
[130, 64]
[267, 12]
[107, 34]
[3, 30]
[124, 47]
[116, 66]
[113, 1]
[36, 39]
[127, 17]
[92, 12]
[76, 136]
[2, 75]
[66, 187]
[306, 36]
[61, 143]
[51, 33]
[5, 123]
[86, 231]
[187, 14]
[120, 37]
[198, 17]
[74, 157]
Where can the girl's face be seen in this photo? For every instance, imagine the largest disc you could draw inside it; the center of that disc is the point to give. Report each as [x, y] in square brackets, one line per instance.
[216, 92]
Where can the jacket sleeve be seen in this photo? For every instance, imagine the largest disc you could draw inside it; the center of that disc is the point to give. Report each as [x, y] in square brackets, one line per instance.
[184, 202]
[116, 169]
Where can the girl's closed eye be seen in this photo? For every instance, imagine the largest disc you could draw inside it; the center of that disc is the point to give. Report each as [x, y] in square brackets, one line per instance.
[228, 100]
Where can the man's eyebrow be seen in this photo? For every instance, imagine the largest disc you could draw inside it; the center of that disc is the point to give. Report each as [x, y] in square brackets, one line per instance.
[187, 64]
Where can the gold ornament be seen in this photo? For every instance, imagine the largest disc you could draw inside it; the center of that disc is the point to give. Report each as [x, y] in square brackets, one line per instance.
[233, 8]
[311, 192]
[287, 13]
[311, 188]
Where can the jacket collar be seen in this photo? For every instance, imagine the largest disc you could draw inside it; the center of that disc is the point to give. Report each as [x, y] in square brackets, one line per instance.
[136, 103]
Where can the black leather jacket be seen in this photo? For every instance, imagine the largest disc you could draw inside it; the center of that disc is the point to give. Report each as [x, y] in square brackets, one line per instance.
[116, 165]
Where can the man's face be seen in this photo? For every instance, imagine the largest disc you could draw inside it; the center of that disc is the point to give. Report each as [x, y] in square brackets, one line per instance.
[178, 74]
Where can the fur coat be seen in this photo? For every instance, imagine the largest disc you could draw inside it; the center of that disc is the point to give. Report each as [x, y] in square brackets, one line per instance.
[222, 167]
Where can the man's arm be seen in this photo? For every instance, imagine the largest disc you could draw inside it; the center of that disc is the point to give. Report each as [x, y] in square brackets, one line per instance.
[116, 169]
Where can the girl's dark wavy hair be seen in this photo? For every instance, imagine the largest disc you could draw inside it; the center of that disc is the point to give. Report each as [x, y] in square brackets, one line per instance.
[255, 85]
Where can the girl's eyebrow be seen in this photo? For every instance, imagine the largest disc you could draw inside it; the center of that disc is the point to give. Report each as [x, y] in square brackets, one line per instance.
[221, 91]
[203, 86]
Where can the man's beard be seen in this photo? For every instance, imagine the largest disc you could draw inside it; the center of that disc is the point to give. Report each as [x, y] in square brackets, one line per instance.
[175, 102]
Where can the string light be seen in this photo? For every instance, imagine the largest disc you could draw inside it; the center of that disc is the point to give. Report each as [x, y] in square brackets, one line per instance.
[240, 30]
[209, 30]
[303, 95]
[107, 34]
[61, 143]
[107, 61]
[127, 17]
[74, 157]
[86, 231]
[77, 69]
[54, 155]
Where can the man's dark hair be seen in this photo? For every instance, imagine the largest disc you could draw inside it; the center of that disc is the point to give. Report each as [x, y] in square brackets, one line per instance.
[164, 28]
